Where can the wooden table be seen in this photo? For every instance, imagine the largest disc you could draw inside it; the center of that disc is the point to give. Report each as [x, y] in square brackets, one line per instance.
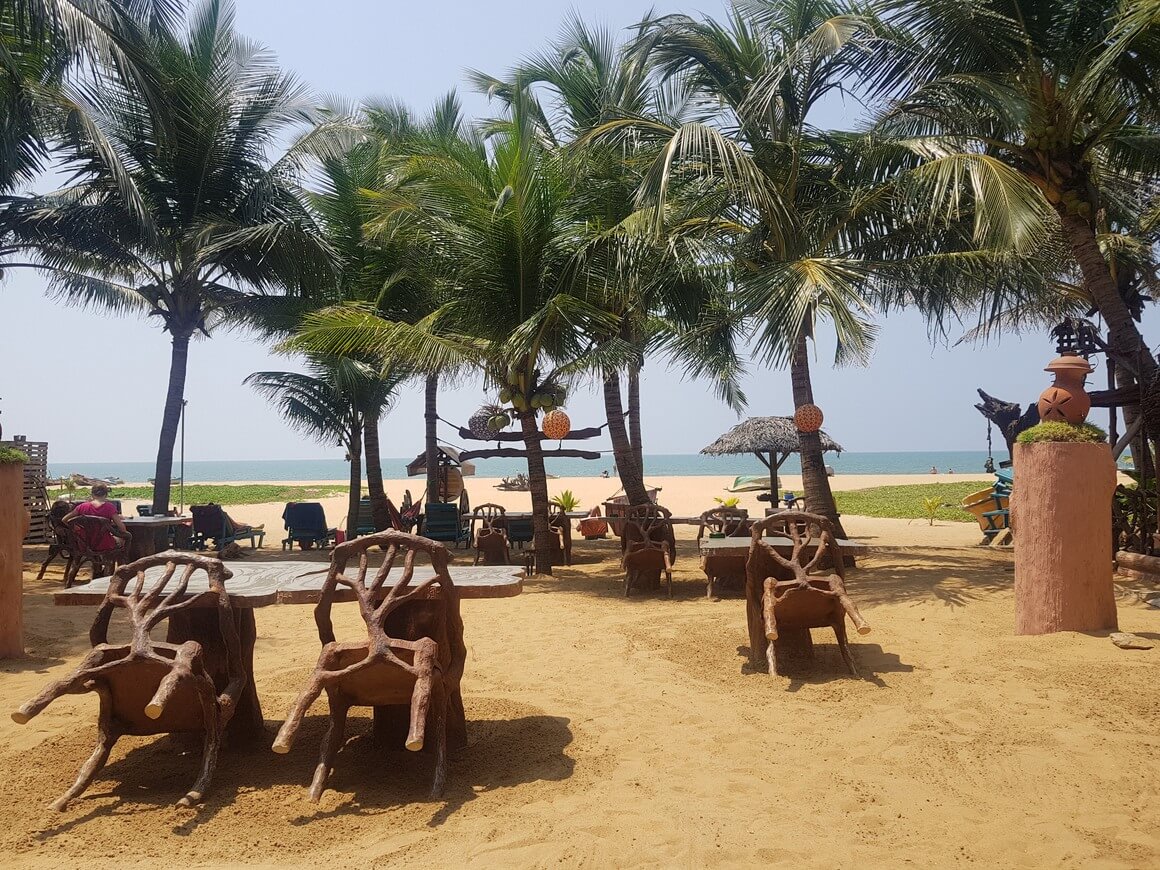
[261, 584]
[146, 530]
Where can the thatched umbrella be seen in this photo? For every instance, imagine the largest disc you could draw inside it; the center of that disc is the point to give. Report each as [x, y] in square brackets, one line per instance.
[770, 439]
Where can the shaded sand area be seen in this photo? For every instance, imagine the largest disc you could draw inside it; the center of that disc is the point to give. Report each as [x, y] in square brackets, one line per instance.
[612, 732]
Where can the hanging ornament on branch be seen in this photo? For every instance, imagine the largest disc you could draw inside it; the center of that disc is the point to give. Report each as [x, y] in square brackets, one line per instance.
[556, 424]
[808, 418]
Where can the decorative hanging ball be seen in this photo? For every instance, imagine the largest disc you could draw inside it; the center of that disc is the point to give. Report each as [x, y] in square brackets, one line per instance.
[1065, 400]
[556, 424]
[808, 418]
[477, 424]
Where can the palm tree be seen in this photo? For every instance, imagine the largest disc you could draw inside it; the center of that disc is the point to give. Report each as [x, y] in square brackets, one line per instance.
[499, 223]
[655, 288]
[176, 211]
[1040, 113]
[332, 404]
[798, 217]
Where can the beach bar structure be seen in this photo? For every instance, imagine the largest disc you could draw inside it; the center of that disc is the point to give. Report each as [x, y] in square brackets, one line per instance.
[770, 439]
[452, 470]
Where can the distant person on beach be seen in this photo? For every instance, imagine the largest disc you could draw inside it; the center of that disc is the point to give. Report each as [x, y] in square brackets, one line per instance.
[99, 505]
[950, 471]
[933, 470]
[604, 473]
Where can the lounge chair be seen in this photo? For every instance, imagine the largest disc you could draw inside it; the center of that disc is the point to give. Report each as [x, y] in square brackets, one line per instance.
[785, 598]
[444, 523]
[384, 671]
[210, 523]
[147, 686]
[306, 526]
[991, 507]
[520, 531]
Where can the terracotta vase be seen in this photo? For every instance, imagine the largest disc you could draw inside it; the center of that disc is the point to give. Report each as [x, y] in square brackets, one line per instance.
[1066, 400]
[1061, 512]
[13, 527]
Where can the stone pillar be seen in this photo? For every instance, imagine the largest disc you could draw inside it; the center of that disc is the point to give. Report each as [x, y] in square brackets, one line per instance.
[13, 527]
[1061, 514]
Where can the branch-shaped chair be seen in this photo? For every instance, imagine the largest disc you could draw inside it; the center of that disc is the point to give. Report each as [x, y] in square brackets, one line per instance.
[648, 546]
[61, 542]
[489, 535]
[560, 529]
[732, 522]
[382, 670]
[147, 686]
[783, 600]
[85, 532]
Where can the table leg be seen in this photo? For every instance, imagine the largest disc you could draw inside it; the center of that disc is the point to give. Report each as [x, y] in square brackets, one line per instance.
[144, 542]
[201, 624]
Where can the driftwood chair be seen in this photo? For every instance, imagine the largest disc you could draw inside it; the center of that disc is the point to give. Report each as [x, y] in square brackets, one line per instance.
[783, 600]
[489, 535]
[147, 686]
[60, 538]
[86, 533]
[382, 670]
[721, 570]
[731, 522]
[561, 533]
[648, 546]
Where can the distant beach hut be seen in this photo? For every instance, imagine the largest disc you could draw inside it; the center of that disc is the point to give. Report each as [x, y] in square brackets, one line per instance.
[770, 439]
[451, 473]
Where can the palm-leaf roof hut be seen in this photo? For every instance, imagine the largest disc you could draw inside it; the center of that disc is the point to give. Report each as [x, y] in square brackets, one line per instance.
[770, 439]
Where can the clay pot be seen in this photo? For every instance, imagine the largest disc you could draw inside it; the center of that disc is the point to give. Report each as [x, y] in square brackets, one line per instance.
[1061, 511]
[1065, 400]
[808, 418]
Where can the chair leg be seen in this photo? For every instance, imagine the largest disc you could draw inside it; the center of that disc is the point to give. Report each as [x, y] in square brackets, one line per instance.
[439, 704]
[844, 646]
[425, 653]
[107, 735]
[629, 579]
[211, 716]
[289, 729]
[709, 586]
[331, 743]
[53, 552]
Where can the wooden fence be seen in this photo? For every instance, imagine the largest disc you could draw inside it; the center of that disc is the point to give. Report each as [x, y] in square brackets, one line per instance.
[35, 487]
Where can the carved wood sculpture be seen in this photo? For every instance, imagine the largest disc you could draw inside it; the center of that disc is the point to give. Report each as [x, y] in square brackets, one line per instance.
[87, 530]
[147, 686]
[731, 522]
[783, 602]
[648, 546]
[561, 530]
[383, 671]
[489, 535]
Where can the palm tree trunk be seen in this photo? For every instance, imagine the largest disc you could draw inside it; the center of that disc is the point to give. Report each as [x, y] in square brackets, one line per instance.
[170, 419]
[431, 419]
[634, 417]
[538, 484]
[375, 489]
[1123, 334]
[355, 448]
[816, 484]
[630, 476]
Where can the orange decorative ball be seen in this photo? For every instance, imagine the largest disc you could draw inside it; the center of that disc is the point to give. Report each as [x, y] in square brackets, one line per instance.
[556, 424]
[808, 418]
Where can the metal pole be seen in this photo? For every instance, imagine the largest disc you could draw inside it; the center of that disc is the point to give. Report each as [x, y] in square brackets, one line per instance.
[181, 486]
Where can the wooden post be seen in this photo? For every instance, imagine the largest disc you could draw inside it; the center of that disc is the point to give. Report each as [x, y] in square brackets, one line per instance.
[14, 521]
[1061, 515]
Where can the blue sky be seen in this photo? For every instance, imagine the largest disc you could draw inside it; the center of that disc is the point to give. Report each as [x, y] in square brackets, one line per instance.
[94, 385]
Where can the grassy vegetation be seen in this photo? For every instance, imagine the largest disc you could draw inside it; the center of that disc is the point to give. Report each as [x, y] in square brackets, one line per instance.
[226, 495]
[909, 502]
[11, 456]
[1054, 431]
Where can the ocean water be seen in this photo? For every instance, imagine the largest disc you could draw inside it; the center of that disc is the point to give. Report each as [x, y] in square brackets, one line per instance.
[661, 465]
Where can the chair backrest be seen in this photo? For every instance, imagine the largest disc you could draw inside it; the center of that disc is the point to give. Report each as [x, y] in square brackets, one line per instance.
[730, 521]
[376, 599]
[488, 518]
[208, 519]
[520, 530]
[89, 532]
[306, 517]
[812, 540]
[144, 510]
[149, 603]
[647, 525]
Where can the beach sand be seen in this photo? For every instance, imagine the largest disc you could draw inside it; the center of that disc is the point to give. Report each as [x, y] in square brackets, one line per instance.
[684, 496]
[611, 732]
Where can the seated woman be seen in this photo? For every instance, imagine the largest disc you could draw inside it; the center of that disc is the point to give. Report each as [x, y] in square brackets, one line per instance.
[99, 505]
[592, 526]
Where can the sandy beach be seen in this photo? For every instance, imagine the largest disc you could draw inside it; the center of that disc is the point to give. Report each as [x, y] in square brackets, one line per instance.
[612, 732]
[684, 496]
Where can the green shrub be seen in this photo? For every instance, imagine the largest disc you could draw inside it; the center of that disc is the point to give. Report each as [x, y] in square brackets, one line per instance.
[1062, 433]
[8, 456]
[566, 501]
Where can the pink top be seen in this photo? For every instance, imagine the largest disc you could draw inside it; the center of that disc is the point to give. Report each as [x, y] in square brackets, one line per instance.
[108, 510]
